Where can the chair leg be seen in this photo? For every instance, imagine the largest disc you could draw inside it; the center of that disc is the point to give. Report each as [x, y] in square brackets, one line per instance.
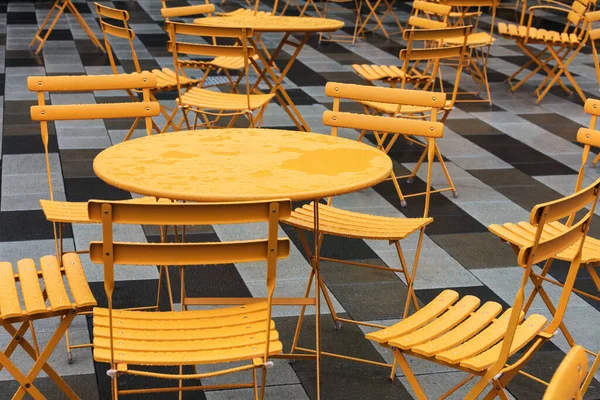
[410, 376]
[410, 295]
[446, 173]
[263, 383]
[61, 9]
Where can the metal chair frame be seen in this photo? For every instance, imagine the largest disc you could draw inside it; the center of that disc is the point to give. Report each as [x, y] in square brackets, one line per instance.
[480, 342]
[61, 212]
[342, 223]
[199, 101]
[188, 337]
[479, 43]
[164, 77]
[591, 260]
[560, 48]
[426, 78]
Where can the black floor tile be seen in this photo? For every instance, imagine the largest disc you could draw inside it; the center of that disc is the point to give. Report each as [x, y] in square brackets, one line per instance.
[78, 163]
[84, 189]
[477, 250]
[27, 144]
[555, 123]
[21, 18]
[28, 225]
[471, 126]
[85, 386]
[484, 293]
[520, 155]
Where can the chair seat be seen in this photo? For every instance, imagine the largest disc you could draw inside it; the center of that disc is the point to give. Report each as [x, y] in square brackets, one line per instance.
[208, 99]
[522, 234]
[224, 62]
[337, 222]
[535, 35]
[77, 211]
[453, 331]
[385, 72]
[185, 337]
[166, 79]
[388, 108]
[61, 297]
[474, 39]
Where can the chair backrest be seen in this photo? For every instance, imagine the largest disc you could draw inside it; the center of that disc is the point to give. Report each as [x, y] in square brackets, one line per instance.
[433, 56]
[588, 137]
[186, 11]
[543, 249]
[566, 381]
[575, 20]
[203, 255]
[64, 112]
[429, 130]
[118, 28]
[428, 15]
[179, 32]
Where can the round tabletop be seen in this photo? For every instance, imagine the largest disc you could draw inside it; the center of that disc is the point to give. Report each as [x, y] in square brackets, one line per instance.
[269, 23]
[237, 164]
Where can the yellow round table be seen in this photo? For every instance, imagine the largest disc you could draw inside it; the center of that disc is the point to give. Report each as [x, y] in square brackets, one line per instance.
[241, 165]
[272, 23]
[223, 165]
[303, 27]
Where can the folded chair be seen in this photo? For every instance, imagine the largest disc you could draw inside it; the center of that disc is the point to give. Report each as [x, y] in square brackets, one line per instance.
[64, 212]
[337, 222]
[479, 42]
[422, 66]
[522, 234]
[131, 340]
[567, 379]
[480, 339]
[33, 294]
[561, 48]
[340, 38]
[204, 102]
[425, 15]
[166, 81]
[60, 6]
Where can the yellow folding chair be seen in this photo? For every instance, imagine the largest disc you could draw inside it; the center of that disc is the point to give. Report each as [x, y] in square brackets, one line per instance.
[569, 375]
[130, 340]
[337, 222]
[44, 294]
[479, 42]
[480, 340]
[421, 66]
[522, 234]
[425, 15]
[561, 48]
[204, 102]
[64, 212]
[339, 38]
[166, 81]
[60, 6]
[222, 63]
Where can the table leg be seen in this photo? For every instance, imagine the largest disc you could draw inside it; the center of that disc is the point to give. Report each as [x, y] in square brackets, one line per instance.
[275, 82]
[317, 269]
